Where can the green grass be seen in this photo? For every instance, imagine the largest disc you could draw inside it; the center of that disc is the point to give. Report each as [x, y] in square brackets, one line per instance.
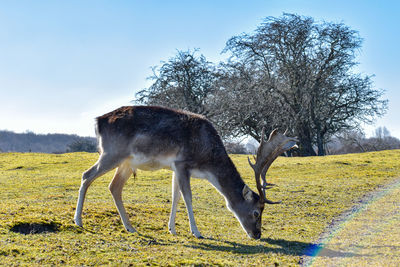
[43, 188]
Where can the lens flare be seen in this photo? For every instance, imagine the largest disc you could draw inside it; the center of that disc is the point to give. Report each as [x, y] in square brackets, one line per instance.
[366, 235]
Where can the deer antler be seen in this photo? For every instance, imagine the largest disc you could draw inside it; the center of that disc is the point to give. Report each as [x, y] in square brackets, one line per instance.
[267, 152]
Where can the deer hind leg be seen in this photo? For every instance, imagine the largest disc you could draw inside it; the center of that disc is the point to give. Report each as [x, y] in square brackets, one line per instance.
[105, 163]
[122, 174]
[183, 178]
[175, 199]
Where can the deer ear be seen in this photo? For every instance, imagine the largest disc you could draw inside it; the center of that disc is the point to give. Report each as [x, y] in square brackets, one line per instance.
[247, 193]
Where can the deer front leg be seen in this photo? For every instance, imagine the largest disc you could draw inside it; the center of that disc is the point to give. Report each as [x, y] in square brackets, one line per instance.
[176, 195]
[122, 174]
[105, 163]
[183, 178]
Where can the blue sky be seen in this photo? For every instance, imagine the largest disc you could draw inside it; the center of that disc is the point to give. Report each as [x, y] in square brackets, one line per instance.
[62, 63]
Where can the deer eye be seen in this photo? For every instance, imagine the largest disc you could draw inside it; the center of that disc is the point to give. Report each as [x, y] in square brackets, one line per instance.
[256, 214]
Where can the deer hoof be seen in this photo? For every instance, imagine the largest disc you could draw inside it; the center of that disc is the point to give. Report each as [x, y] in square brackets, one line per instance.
[198, 235]
[131, 229]
[172, 231]
[78, 222]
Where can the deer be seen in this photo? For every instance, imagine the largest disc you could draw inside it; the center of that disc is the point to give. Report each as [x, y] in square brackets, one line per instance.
[152, 137]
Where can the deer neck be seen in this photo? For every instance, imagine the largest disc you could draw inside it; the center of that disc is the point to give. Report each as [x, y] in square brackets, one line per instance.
[226, 179]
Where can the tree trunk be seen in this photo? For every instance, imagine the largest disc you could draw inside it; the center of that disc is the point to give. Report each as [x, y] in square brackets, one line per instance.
[306, 147]
[320, 145]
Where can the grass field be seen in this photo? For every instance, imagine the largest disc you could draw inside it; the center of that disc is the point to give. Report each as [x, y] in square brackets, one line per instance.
[39, 192]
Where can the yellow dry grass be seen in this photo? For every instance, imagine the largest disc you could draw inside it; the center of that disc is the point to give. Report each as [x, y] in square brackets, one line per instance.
[40, 190]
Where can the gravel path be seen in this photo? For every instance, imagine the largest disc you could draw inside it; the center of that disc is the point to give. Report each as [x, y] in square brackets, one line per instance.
[367, 235]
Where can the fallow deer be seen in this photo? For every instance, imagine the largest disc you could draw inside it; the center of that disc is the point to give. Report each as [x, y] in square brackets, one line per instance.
[150, 138]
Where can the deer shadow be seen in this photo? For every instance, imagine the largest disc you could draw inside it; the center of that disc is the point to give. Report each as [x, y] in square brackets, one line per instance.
[280, 246]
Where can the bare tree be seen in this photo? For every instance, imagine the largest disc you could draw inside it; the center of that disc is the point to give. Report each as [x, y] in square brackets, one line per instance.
[354, 141]
[244, 103]
[185, 81]
[291, 72]
[350, 141]
[382, 133]
[382, 140]
[307, 68]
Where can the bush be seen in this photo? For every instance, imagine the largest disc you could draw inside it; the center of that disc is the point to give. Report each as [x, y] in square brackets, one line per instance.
[356, 142]
[235, 148]
[82, 145]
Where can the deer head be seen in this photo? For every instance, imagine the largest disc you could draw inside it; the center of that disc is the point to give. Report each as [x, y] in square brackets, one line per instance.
[267, 152]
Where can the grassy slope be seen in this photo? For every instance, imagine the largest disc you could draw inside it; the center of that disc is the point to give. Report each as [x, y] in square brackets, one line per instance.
[42, 188]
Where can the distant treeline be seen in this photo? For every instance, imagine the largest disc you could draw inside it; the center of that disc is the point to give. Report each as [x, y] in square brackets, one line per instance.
[343, 143]
[45, 143]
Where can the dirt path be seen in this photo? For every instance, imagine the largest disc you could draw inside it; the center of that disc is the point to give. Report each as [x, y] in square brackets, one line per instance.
[368, 235]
